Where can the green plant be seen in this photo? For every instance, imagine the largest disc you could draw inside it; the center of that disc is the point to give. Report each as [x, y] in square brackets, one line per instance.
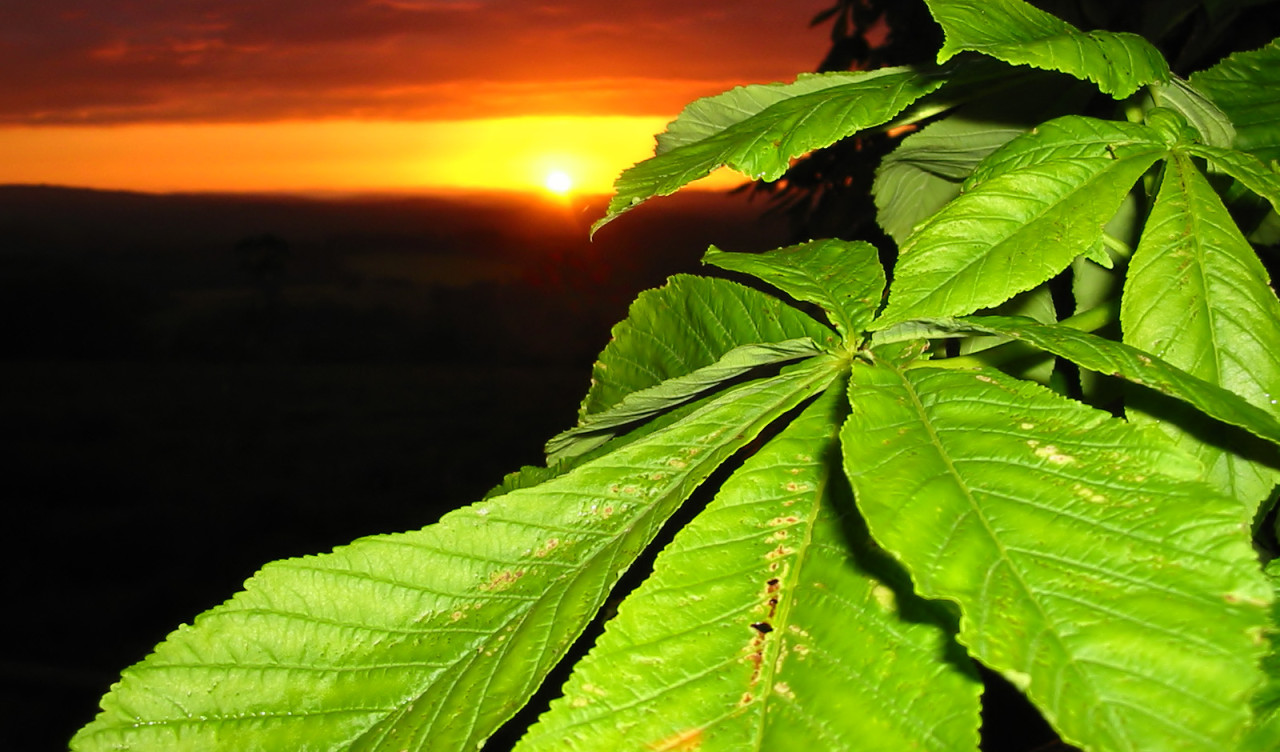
[1081, 503]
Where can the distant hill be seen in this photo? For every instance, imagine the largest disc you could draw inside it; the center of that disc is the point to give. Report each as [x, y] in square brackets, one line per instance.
[107, 274]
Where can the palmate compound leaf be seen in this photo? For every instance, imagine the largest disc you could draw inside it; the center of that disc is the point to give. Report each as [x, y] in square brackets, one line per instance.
[1197, 296]
[1092, 566]
[429, 639]
[762, 144]
[843, 278]
[772, 623]
[1018, 33]
[690, 323]
[1030, 208]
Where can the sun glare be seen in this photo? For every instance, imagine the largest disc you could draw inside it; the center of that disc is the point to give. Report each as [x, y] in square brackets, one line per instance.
[558, 182]
[558, 156]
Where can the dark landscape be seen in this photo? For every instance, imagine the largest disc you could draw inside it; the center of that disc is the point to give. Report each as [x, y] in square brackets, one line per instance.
[193, 385]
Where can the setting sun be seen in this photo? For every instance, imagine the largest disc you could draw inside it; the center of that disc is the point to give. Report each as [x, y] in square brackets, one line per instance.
[558, 182]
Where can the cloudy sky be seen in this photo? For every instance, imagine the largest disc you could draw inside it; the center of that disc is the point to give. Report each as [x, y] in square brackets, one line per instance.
[309, 89]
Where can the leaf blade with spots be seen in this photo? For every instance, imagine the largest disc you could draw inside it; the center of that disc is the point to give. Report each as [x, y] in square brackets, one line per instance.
[1092, 566]
[1197, 296]
[752, 654]
[433, 637]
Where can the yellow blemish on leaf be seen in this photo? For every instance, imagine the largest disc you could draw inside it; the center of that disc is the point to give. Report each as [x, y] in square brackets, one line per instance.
[677, 463]
[885, 597]
[1026, 426]
[784, 689]
[1051, 453]
[546, 548]
[685, 741]
[499, 581]
[1088, 494]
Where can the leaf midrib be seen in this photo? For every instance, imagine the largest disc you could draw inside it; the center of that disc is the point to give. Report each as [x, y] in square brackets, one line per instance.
[976, 511]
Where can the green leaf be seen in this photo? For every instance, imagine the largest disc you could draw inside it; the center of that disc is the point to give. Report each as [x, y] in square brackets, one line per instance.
[1197, 297]
[1266, 703]
[433, 637]
[920, 176]
[762, 144]
[1092, 567]
[1020, 34]
[1243, 86]
[708, 116]
[1115, 359]
[597, 428]
[844, 278]
[1066, 138]
[689, 323]
[1248, 169]
[802, 636]
[1046, 201]
[1036, 304]
[1211, 123]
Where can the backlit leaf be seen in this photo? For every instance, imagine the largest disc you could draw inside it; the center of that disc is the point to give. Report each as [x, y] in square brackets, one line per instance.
[1018, 33]
[1243, 86]
[690, 323]
[1197, 297]
[762, 145]
[926, 170]
[597, 428]
[1116, 359]
[1266, 703]
[1067, 137]
[427, 640]
[1047, 201]
[1263, 180]
[1211, 123]
[801, 636]
[1092, 567]
[842, 277]
[708, 116]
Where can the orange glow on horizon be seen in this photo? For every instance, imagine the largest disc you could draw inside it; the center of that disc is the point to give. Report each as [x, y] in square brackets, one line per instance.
[348, 156]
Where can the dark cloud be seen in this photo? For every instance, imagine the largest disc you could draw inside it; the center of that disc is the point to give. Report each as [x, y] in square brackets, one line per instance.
[100, 61]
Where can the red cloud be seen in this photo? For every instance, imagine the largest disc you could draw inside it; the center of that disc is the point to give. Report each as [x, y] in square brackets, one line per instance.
[100, 61]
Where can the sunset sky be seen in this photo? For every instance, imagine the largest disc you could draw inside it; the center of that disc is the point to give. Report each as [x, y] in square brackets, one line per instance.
[352, 95]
